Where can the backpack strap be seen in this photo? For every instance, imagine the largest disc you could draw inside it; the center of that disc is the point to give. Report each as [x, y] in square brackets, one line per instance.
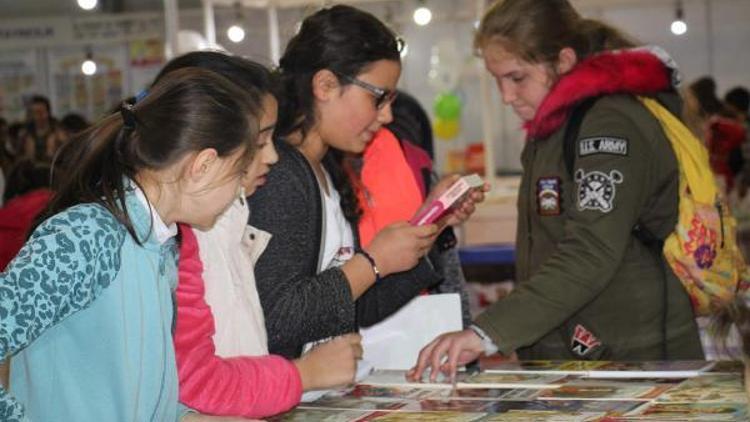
[572, 130]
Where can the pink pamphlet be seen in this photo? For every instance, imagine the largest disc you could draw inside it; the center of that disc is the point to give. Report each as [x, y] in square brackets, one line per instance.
[449, 198]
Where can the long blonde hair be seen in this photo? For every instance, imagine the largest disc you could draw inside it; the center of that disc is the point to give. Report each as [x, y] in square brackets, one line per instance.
[537, 30]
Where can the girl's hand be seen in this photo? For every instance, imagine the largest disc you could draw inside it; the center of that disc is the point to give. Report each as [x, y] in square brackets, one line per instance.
[330, 364]
[465, 208]
[398, 247]
[461, 211]
[446, 353]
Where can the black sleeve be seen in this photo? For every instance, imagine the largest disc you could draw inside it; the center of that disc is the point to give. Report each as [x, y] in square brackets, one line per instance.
[299, 306]
[392, 292]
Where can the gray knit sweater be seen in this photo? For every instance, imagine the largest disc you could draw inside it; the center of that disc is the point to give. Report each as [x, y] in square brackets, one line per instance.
[301, 305]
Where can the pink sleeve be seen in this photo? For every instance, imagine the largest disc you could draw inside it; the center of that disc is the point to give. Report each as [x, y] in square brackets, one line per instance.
[251, 386]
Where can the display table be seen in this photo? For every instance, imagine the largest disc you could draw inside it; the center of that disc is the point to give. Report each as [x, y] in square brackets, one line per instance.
[501, 254]
[544, 390]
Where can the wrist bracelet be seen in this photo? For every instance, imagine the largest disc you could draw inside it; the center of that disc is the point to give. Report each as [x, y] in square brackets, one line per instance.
[372, 263]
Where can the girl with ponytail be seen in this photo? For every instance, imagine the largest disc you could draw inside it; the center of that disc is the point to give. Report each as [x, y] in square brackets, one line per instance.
[220, 343]
[86, 307]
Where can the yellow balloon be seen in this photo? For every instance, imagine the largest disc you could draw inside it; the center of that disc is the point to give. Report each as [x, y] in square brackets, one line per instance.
[446, 129]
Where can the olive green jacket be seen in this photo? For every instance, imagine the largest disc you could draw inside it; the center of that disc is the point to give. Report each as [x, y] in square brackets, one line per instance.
[587, 288]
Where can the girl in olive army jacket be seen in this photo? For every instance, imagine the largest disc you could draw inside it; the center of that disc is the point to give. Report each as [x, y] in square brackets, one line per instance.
[588, 287]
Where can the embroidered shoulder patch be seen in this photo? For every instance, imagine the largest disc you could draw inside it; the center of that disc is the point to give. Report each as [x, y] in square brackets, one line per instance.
[602, 145]
[583, 341]
[548, 196]
[596, 190]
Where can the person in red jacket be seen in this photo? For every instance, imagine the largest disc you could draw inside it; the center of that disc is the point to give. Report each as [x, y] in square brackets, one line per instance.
[392, 178]
[714, 123]
[27, 195]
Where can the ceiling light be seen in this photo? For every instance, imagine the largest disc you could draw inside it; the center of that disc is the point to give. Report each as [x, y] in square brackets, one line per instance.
[678, 26]
[236, 33]
[87, 4]
[422, 16]
[88, 67]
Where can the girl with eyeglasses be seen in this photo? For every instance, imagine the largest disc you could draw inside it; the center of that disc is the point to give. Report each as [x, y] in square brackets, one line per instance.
[339, 75]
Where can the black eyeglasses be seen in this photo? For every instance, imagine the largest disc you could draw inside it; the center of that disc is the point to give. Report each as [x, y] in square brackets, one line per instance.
[382, 96]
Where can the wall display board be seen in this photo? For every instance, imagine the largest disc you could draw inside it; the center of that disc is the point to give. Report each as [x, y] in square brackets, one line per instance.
[73, 92]
[145, 60]
[18, 81]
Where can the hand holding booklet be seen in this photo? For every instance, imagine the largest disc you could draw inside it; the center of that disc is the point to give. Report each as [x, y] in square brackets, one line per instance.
[450, 198]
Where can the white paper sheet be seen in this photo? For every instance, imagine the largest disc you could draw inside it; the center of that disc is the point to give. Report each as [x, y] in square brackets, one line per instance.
[395, 342]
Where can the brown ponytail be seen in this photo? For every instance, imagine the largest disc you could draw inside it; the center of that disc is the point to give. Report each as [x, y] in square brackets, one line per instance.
[536, 30]
[186, 111]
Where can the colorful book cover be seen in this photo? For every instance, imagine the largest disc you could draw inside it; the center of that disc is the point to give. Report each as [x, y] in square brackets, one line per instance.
[610, 407]
[452, 405]
[356, 403]
[363, 390]
[544, 416]
[653, 369]
[704, 412]
[319, 415]
[667, 381]
[711, 388]
[422, 417]
[406, 405]
[575, 367]
[488, 393]
[511, 380]
[606, 390]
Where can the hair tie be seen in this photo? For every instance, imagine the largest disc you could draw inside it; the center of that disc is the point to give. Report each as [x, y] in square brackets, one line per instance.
[141, 95]
[128, 116]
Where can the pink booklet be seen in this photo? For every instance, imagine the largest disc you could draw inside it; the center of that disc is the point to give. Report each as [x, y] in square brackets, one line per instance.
[449, 198]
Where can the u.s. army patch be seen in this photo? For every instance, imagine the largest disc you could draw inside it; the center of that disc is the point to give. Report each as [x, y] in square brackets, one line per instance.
[548, 196]
[596, 190]
[602, 145]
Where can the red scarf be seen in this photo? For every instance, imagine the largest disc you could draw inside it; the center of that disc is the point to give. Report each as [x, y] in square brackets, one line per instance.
[623, 72]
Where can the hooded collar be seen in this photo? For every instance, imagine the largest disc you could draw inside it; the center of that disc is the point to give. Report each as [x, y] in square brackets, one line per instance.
[635, 71]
